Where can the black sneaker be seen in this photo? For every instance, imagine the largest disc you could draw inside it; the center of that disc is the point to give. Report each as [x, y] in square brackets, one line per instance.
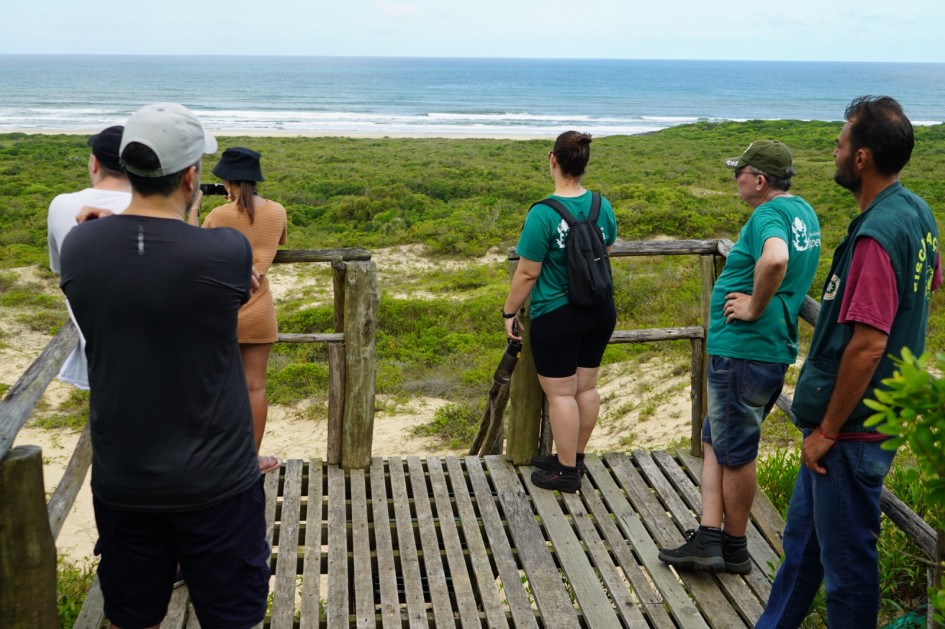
[550, 463]
[735, 554]
[561, 478]
[702, 551]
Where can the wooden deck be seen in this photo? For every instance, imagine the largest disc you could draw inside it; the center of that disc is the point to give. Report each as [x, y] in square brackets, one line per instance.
[470, 542]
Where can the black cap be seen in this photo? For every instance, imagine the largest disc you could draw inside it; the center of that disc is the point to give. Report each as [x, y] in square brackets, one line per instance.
[105, 147]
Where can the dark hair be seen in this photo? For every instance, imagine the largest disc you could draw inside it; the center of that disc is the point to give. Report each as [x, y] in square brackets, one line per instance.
[244, 202]
[777, 183]
[879, 124]
[141, 156]
[108, 172]
[573, 150]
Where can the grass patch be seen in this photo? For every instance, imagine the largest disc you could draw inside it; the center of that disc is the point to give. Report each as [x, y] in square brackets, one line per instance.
[73, 412]
[73, 581]
[453, 424]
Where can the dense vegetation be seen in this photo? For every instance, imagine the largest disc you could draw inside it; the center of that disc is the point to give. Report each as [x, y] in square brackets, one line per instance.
[462, 199]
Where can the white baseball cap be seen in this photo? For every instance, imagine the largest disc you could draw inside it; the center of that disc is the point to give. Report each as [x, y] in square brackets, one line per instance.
[174, 134]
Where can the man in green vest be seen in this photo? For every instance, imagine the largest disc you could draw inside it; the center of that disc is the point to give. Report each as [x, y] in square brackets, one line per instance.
[875, 303]
[751, 341]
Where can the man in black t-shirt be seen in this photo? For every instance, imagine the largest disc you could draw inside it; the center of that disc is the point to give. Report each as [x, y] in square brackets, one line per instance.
[174, 470]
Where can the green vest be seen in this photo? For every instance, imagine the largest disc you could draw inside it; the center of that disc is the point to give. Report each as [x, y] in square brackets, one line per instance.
[903, 225]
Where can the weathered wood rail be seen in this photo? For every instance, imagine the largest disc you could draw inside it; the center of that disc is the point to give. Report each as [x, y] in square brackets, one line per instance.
[367, 541]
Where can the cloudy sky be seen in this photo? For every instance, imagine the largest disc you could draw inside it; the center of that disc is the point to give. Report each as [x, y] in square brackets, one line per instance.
[834, 30]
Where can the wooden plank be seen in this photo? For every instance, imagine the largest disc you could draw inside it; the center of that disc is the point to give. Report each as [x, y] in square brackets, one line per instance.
[543, 576]
[312, 560]
[432, 562]
[718, 611]
[406, 544]
[737, 591]
[578, 570]
[177, 609]
[361, 551]
[483, 577]
[21, 399]
[336, 607]
[519, 605]
[192, 622]
[336, 403]
[656, 334]
[283, 595]
[284, 256]
[386, 566]
[459, 571]
[271, 487]
[678, 602]
[648, 598]
[92, 613]
[73, 477]
[620, 594]
[332, 338]
[656, 248]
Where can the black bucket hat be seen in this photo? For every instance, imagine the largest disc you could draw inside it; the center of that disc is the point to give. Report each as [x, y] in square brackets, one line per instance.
[239, 164]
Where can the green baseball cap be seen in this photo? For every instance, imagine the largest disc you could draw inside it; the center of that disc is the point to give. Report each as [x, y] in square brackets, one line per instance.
[768, 156]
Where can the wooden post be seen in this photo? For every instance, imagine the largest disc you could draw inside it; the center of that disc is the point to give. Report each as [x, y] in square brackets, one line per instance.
[360, 322]
[524, 424]
[935, 575]
[697, 382]
[708, 272]
[27, 548]
[336, 368]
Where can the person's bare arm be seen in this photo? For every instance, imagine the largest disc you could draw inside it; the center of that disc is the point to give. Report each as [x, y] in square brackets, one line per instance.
[857, 365]
[525, 276]
[769, 273]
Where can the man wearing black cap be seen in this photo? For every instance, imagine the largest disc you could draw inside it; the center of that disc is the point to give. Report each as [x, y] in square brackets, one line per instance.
[174, 472]
[110, 190]
[752, 339]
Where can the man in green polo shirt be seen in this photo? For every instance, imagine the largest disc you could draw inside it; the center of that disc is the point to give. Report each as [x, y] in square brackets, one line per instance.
[752, 339]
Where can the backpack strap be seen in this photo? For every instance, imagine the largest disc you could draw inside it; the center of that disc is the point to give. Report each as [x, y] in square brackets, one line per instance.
[595, 208]
[558, 207]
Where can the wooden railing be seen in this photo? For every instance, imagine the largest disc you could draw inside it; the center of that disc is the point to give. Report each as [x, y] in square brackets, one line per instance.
[29, 526]
[527, 429]
[528, 432]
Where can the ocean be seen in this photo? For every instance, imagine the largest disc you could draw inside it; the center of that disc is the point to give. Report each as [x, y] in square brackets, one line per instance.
[447, 97]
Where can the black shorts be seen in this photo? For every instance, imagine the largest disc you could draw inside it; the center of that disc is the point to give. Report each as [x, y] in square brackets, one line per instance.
[222, 552]
[570, 337]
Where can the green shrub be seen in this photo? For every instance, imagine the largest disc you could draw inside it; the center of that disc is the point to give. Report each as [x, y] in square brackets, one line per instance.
[73, 581]
[455, 424]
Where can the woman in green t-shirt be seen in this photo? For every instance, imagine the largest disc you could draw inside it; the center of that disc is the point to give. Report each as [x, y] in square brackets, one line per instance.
[567, 341]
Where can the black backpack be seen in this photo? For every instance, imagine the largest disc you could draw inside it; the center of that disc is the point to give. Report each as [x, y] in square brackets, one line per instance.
[589, 278]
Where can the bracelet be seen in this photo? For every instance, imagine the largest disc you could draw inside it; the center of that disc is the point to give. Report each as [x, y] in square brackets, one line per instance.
[823, 434]
[508, 315]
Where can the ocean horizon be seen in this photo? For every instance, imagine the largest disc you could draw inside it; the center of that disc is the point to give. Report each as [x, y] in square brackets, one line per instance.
[447, 97]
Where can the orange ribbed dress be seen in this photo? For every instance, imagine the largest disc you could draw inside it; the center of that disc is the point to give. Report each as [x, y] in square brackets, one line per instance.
[257, 317]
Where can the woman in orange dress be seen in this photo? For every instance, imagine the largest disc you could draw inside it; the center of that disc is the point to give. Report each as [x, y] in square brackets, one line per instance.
[264, 223]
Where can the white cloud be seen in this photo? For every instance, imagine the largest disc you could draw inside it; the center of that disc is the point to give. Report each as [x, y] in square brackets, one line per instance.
[397, 9]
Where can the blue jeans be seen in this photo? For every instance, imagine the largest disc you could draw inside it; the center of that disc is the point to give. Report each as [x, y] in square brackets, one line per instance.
[741, 394]
[831, 533]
